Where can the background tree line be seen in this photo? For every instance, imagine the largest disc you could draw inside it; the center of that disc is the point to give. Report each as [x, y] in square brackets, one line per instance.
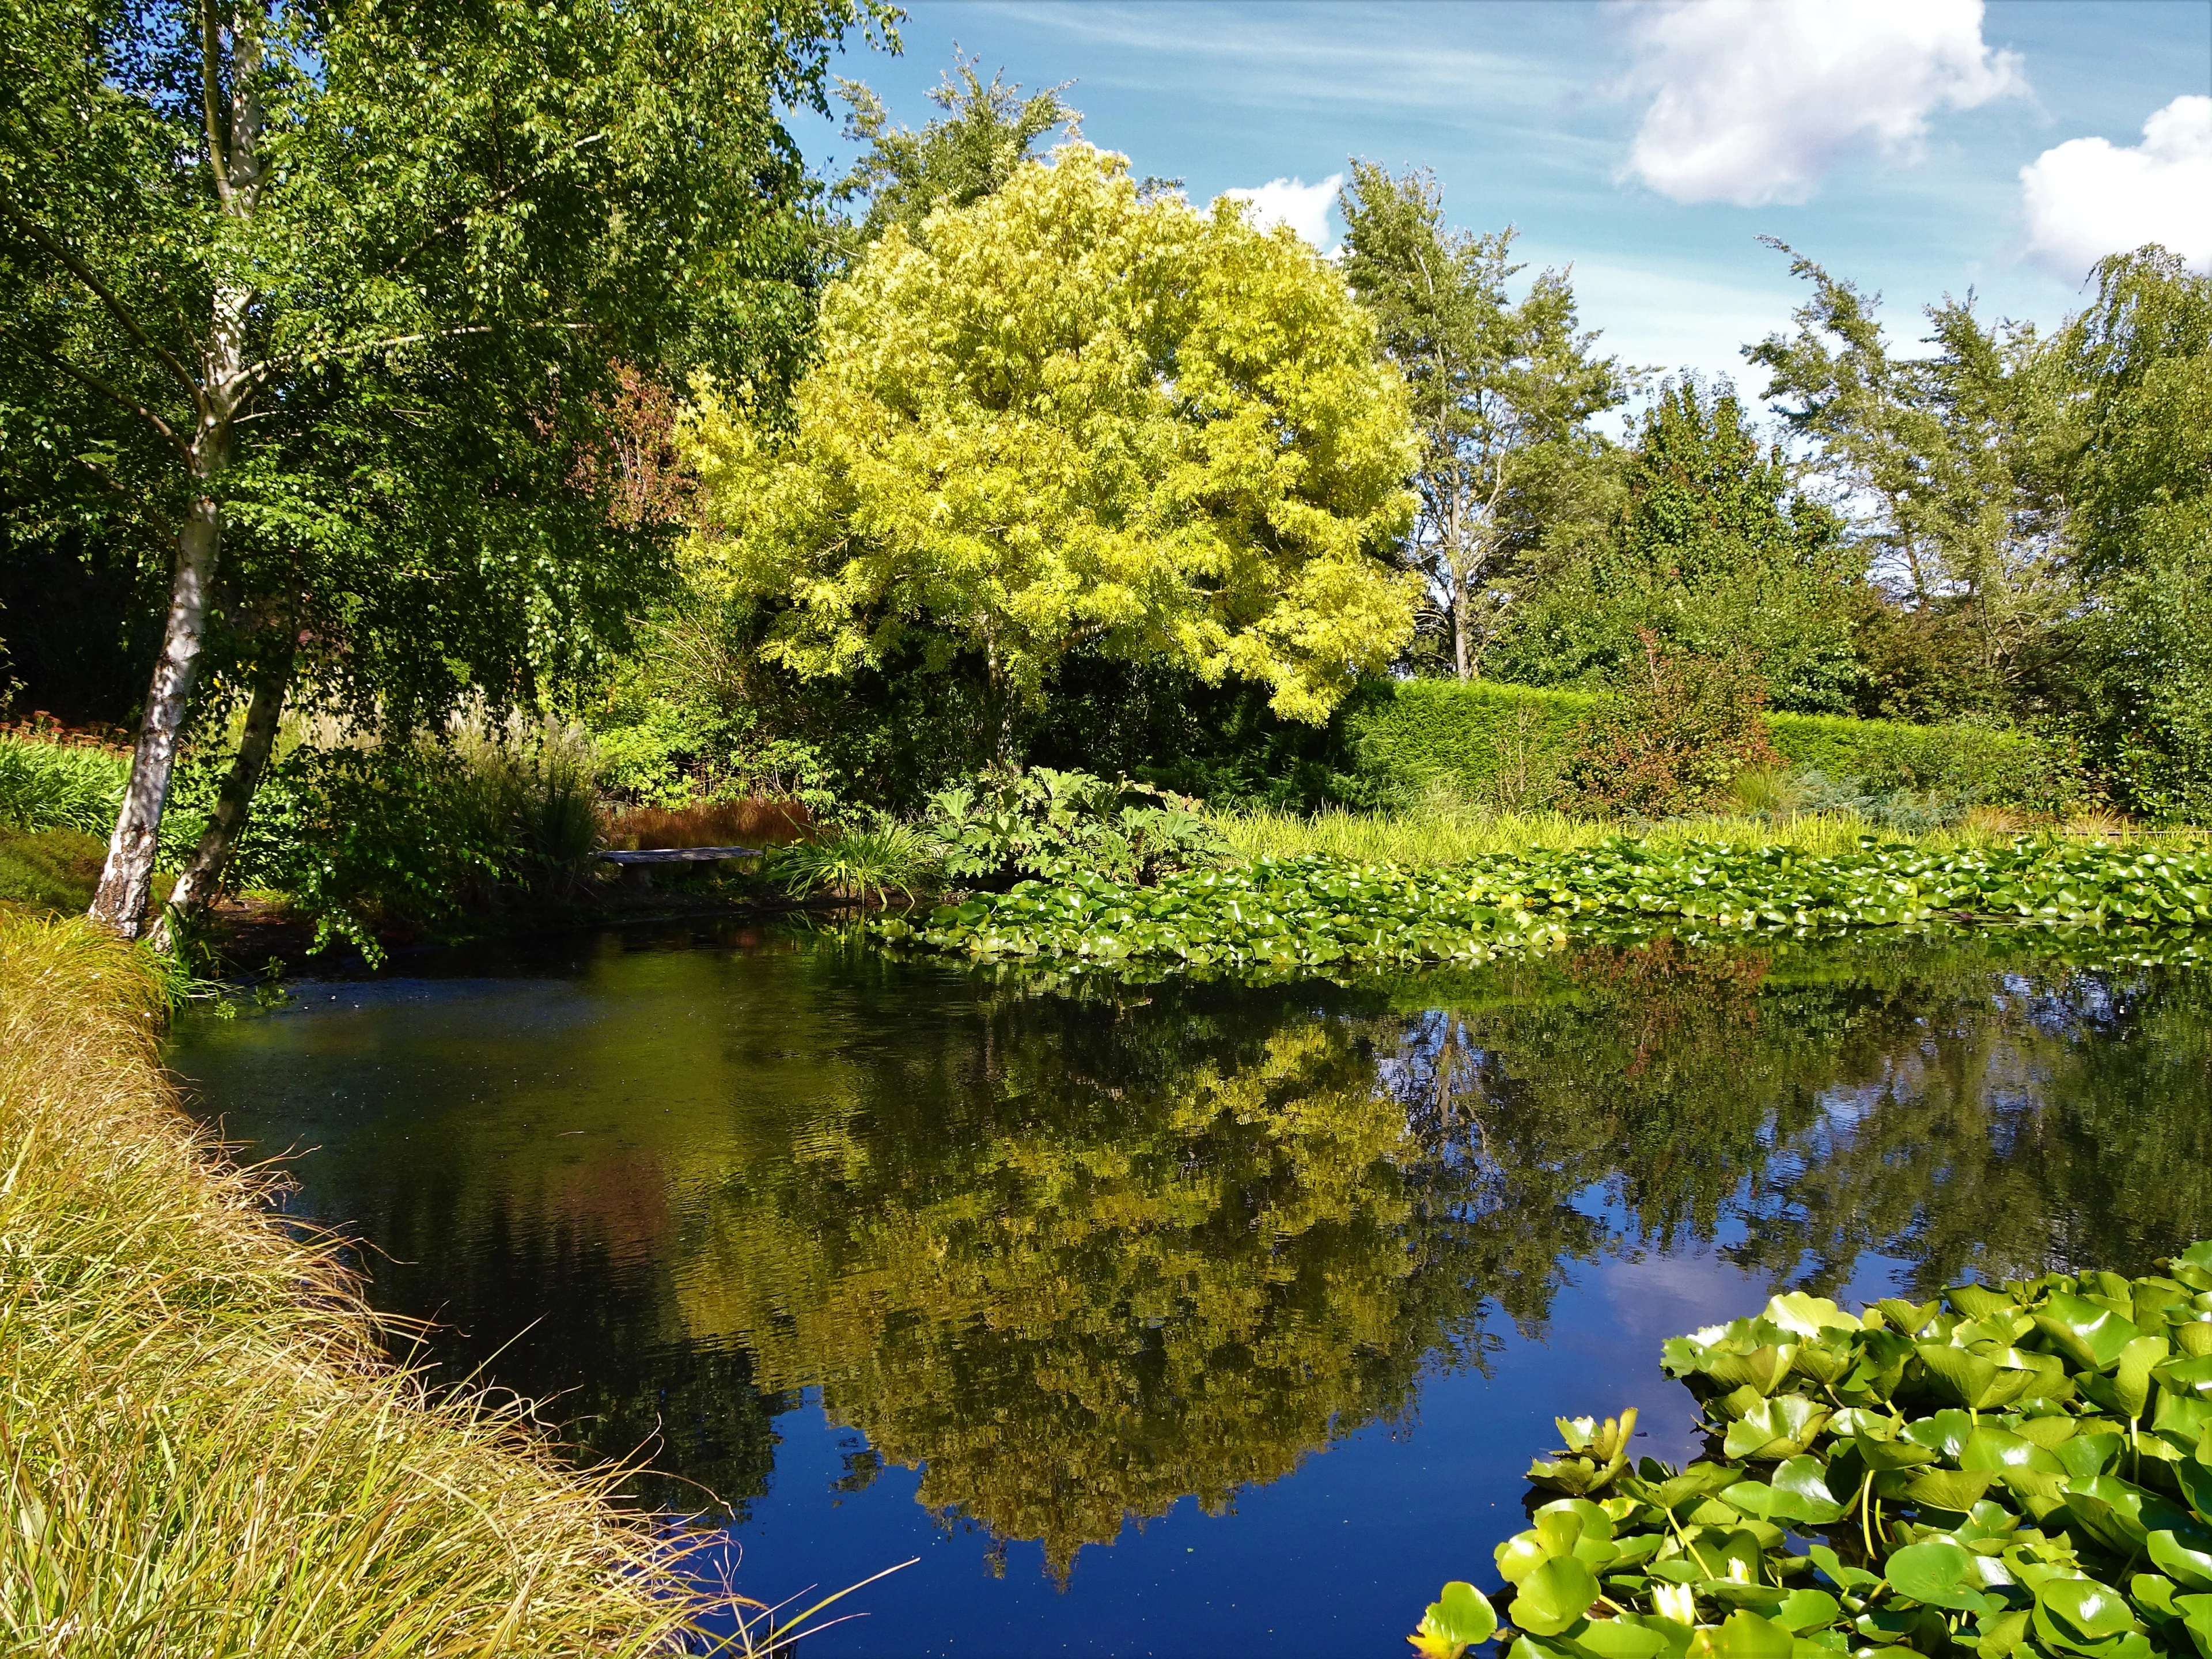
[382, 363]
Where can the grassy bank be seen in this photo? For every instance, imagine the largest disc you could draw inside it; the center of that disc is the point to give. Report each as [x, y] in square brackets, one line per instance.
[203, 1451]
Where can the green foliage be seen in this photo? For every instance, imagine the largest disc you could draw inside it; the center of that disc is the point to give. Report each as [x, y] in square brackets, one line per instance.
[2016, 1471]
[1312, 911]
[1004, 824]
[1677, 734]
[1717, 553]
[1508, 746]
[1503, 393]
[2139, 361]
[985, 134]
[53, 786]
[866, 867]
[1954, 456]
[1074, 415]
[363, 839]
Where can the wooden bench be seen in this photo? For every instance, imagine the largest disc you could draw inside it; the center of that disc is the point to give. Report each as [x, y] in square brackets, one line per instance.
[637, 867]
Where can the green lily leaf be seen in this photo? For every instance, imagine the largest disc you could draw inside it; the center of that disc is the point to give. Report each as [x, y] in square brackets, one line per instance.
[1808, 1609]
[2196, 1613]
[1622, 1639]
[1774, 1428]
[1744, 1635]
[2189, 1564]
[1945, 1434]
[2090, 1334]
[1554, 1596]
[2003, 1635]
[1457, 1620]
[1956, 1490]
[2076, 1615]
[1971, 1380]
[1939, 1574]
[1988, 1447]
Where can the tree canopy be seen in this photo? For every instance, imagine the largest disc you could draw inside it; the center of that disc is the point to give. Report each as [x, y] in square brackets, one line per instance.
[1502, 392]
[324, 309]
[1075, 414]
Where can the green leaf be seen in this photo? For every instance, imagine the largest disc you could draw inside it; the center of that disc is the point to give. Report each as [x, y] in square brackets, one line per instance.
[1554, 1596]
[1937, 1573]
[1957, 1489]
[1808, 1609]
[2093, 1336]
[1457, 1620]
[2187, 1563]
[2076, 1613]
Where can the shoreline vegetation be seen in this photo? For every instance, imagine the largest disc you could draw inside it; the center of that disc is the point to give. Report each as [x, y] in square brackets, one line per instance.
[206, 1450]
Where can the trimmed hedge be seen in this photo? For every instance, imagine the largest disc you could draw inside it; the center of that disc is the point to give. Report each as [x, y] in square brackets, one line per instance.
[1508, 745]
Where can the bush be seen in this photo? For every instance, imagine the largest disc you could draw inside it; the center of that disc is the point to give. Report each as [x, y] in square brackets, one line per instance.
[864, 866]
[1004, 825]
[1678, 733]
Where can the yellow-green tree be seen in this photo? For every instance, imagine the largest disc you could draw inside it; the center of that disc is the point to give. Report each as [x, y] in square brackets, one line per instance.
[1074, 412]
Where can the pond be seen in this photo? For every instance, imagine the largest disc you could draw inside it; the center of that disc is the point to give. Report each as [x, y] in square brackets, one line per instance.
[1183, 1319]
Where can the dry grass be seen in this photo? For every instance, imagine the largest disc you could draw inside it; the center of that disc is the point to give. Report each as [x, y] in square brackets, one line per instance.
[755, 821]
[201, 1451]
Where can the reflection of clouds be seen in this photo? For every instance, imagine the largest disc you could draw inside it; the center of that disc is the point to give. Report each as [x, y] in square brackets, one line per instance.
[1664, 1296]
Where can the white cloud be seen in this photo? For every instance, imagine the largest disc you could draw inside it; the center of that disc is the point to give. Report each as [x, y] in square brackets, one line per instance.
[1303, 207]
[2089, 198]
[1753, 100]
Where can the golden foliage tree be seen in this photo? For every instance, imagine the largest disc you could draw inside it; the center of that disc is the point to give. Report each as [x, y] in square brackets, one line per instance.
[1075, 413]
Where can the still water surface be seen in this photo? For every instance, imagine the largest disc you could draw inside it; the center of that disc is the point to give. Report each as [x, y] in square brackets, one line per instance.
[1181, 1319]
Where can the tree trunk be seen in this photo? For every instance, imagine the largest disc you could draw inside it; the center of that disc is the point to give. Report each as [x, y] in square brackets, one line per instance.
[1460, 622]
[126, 882]
[202, 880]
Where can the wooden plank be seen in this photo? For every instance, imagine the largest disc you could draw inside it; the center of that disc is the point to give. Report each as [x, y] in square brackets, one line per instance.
[681, 854]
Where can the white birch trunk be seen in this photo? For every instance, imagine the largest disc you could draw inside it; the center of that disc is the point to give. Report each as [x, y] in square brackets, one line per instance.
[126, 882]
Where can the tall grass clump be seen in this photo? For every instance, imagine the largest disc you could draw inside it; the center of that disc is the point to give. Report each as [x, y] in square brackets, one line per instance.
[54, 786]
[204, 1451]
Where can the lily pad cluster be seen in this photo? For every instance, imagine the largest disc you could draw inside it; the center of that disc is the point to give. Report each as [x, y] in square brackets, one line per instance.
[2017, 1470]
[1317, 911]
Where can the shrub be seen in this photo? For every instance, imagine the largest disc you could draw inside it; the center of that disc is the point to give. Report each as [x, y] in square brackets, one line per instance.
[1679, 732]
[1004, 825]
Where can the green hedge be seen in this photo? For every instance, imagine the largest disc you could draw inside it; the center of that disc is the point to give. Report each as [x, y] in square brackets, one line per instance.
[1508, 745]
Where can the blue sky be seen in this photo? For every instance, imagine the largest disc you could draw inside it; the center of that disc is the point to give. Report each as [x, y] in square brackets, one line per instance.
[1650, 145]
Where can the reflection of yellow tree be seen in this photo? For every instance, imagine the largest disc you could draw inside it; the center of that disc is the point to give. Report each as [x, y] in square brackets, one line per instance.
[1143, 1280]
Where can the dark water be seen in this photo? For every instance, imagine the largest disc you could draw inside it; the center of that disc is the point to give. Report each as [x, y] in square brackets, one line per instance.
[1184, 1320]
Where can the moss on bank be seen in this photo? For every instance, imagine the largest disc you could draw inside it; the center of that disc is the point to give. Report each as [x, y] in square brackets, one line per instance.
[204, 1450]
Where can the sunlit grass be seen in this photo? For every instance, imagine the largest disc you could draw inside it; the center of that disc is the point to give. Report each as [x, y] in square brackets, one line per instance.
[1448, 836]
[204, 1452]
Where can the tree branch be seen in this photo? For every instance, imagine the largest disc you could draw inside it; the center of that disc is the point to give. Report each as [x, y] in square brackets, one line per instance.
[120, 311]
[84, 377]
[108, 481]
[273, 364]
[492, 201]
[218, 162]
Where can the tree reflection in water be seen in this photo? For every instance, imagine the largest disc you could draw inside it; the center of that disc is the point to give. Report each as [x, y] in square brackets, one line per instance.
[1079, 1252]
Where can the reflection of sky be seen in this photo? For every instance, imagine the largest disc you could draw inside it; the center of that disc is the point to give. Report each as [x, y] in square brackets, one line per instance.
[588, 1092]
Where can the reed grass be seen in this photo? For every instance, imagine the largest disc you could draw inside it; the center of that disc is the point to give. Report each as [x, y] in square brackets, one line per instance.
[202, 1450]
[1449, 837]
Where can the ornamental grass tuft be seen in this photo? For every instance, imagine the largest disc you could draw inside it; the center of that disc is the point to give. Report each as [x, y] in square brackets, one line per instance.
[201, 1450]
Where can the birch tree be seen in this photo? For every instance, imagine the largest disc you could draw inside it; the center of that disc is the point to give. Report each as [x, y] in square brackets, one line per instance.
[322, 298]
[1502, 391]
